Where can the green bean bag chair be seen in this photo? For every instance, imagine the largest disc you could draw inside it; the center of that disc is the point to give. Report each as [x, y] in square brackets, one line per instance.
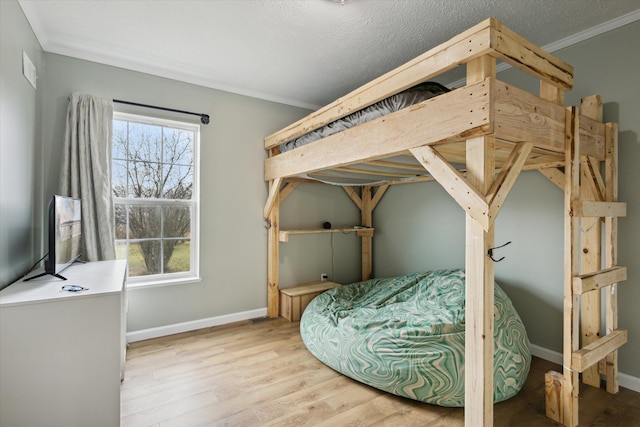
[405, 335]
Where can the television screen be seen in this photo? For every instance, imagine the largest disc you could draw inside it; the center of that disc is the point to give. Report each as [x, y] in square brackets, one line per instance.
[65, 236]
[65, 233]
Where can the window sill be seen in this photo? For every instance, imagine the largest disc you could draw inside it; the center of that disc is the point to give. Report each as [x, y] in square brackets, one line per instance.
[163, 282]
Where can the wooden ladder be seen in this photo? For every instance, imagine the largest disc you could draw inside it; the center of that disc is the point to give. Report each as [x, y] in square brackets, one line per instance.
[590, 203]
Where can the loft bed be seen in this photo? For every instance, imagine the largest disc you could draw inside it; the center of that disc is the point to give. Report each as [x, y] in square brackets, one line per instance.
[475, 140]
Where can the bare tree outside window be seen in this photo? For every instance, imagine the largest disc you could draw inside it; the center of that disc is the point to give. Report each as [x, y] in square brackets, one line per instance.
[153, 186]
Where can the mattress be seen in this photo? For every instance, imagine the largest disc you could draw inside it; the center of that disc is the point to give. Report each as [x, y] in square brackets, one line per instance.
[388, 105]
[405, 335]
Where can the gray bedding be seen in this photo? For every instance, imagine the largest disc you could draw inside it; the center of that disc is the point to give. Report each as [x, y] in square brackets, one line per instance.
[396, 102]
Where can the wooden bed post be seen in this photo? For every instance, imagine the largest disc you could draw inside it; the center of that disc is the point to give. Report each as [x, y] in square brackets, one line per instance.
[479, 274]
[366, 217]
[277, 195]
[366, 202]
[591, 243]
[611, 250]
[479, 294]
[570, 387]
[273, 252]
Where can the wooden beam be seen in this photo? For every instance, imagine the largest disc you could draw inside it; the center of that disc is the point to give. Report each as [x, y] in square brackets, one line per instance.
[592, 177]
[571, 336]
[409, 181]
[599, 279]
[395, 165]
[588, 208]
[353, 196]
[553, 382]
[591, 189]
[592, 353]
[481, 68]
[378, 196]
[274, 191]
[372, 172]
[554, 175]
[452, 116]
[366, 219]
[592, 135]
[284, 234]
[591, 106]
[479, 330]
[522, 54]
[273, 259]
[522, 116]
[287, 190]
[551, 92]
[611, 249]
[455, 184]
[479, 292]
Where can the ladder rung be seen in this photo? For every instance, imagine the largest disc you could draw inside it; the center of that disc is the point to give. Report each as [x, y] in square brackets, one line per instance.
[598, 279]
[591, 354]
[588, 208]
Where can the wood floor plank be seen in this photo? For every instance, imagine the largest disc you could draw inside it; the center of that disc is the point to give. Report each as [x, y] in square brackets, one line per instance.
[300, 401]
[260, 374]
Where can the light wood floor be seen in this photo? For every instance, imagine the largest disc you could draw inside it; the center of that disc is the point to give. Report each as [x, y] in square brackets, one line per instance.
[260, 374]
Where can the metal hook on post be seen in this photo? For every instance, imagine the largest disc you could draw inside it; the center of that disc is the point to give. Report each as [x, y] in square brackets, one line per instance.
[490, 252]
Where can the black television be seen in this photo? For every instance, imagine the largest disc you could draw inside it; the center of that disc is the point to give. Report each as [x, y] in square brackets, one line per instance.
[65, 235]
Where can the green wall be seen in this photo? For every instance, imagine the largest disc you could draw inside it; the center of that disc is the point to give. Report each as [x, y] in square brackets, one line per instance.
[20, 115]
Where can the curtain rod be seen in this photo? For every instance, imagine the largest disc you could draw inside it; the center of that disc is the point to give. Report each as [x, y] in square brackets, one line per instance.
[204, 118]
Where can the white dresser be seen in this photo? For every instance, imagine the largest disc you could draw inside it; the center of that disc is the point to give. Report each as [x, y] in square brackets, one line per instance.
[62, 353]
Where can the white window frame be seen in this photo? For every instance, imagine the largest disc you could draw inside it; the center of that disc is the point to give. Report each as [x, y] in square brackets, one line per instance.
[164, 279]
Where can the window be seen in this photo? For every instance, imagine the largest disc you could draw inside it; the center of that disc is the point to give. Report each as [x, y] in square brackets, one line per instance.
[155, 188]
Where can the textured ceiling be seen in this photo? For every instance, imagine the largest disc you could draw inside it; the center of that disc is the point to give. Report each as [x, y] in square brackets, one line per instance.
[299, 52]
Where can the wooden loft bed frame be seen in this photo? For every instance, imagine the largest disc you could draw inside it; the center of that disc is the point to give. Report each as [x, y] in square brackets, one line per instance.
[495, 130]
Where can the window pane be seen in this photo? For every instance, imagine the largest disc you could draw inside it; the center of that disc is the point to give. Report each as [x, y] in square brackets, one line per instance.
[119, 178]
[119, 148]
[178, 256]
[121, 222]
[144, 222]
[179, 182]
[177, 221]
[144, 258]
[146, 181]
[178, 146]
[121, 251]
[145, 142]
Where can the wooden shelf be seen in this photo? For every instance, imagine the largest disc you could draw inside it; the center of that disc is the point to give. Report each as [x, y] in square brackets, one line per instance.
[362, 232]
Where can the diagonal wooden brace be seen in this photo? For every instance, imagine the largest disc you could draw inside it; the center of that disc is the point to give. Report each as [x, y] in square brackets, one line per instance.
[274, 189]
[470, 199]
[507, 177]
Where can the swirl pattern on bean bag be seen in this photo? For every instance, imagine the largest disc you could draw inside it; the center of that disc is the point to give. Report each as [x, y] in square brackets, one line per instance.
[405, 335]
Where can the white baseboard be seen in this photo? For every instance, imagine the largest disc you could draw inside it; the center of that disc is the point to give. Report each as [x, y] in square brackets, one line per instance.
[161, 331]
[546, 354]
[626, 381]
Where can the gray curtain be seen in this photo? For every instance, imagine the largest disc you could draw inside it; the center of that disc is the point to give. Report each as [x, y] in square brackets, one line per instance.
[86, 172]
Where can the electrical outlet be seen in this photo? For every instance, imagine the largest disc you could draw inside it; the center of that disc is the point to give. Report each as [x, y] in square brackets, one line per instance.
[28, 69]
[324, 277]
